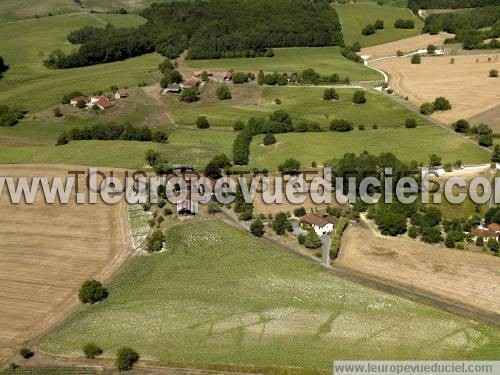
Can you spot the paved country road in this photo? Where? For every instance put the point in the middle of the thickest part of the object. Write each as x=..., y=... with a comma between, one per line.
x=385, y=286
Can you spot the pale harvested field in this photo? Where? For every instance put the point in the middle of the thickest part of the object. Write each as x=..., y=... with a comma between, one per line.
x=468, y=277
x=465, y=83
x=47, y=251
x=405, y=45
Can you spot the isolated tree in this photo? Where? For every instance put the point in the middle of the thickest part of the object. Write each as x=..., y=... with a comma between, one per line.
x=91, y=350
x=495, y=157
x=155, y=241
x=493, y=73
x=410, y=123
x=461, y=126
x=416, y=59
x=312, y=241
x=189, y=95
x=485, y=140
x=202, y=122
x=435, y=160
x=3, y=66
x=152, y=157
x=281, y=224
x=26, y=353
x=340, y=125
x=269, y=139
x=493, y=245
x=290, y=166
x=240, y=77
x=441, y=104
x=92, y=291
x=330, y=94
x=379, y=24
x=170, y=77
x=359, y=97
x=126, y=358
x=257, y=228
x=431, y=49
x=223, y=92
x=427, y=108
x=368, y=30
x=260, y=77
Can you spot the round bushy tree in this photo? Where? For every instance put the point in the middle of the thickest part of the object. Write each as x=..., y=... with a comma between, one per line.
x=91, y=350
x=299, y=212
x=340, y=125
x=238, y=125
x=202, y=122
x=312, y=241
x=416, y=59
x=427, y=108
x=269, y=139
x=257, y=228
x=411, y=123
x=379, y=24
x=461, y=126
x=223, y=92
x=441, y=104
x=493, y=73
x=368, y=30
x=155, y=241
x=359, y=97
x=92, y=291
x=26, y=353
x=125, y=359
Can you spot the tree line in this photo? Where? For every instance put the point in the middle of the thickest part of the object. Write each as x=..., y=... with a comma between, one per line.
x=415, y=5
x=209, y=30
x=471, y=27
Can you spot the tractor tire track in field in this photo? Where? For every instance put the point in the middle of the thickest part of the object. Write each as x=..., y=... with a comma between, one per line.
x=385, y=286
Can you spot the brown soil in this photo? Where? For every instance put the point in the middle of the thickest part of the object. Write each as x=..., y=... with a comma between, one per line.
x=465, y=83
x=47, y=251
x=471, y=278
x=490, y=117
x=405, y=45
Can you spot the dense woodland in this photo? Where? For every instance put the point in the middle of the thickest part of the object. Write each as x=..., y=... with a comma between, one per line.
x=415, y=5
x=470, y=27
x=209, y=29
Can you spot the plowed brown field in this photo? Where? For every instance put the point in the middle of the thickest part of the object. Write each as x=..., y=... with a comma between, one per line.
x=468, y=277
x=47, y=251
x=466, y=83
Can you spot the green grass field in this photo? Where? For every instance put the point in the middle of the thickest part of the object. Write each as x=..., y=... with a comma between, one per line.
x=15, y=10
x=325, y=60
x=26, y=44
x=407, y=144
x=220, y=296
x=185, y=146
x=356, y=16
x=300, y=102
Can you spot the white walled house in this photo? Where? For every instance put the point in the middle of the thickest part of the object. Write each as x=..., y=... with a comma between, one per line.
x=320, y=225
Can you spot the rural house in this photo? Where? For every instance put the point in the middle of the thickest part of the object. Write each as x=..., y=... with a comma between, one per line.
x=122, y=93
x=103, y=103
x=74, y=102
x=192, y=82
x=320, y=225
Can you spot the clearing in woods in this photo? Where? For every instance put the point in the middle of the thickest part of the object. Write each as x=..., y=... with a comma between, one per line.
x=355, y=16
x=437, y=76
x=406, y=45
x=467, y=277
x=325, y=60
x=220, y=296
x=47, y=251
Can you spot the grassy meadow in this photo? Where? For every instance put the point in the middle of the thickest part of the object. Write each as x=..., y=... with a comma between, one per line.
x=325, y=60
x=220, y=296
x=355, y=16
x=185, y=146
x=407, y=144
x=302, y=103
x=15, y=10
x=26, y=44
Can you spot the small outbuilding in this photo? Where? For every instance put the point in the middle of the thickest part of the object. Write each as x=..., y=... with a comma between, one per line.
x=172, y=89
x=120, y=94
x=103, y=103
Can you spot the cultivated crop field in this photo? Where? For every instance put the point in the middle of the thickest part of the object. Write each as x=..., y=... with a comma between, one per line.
x=218, y=296
x=26, y=44
x=47, y=251
x=355, y=16
x=407, y=144
x=406, y=45
x=325, y=60
x=468, y=277
x=14, y=10
x=302, y=103
x=465, y=83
